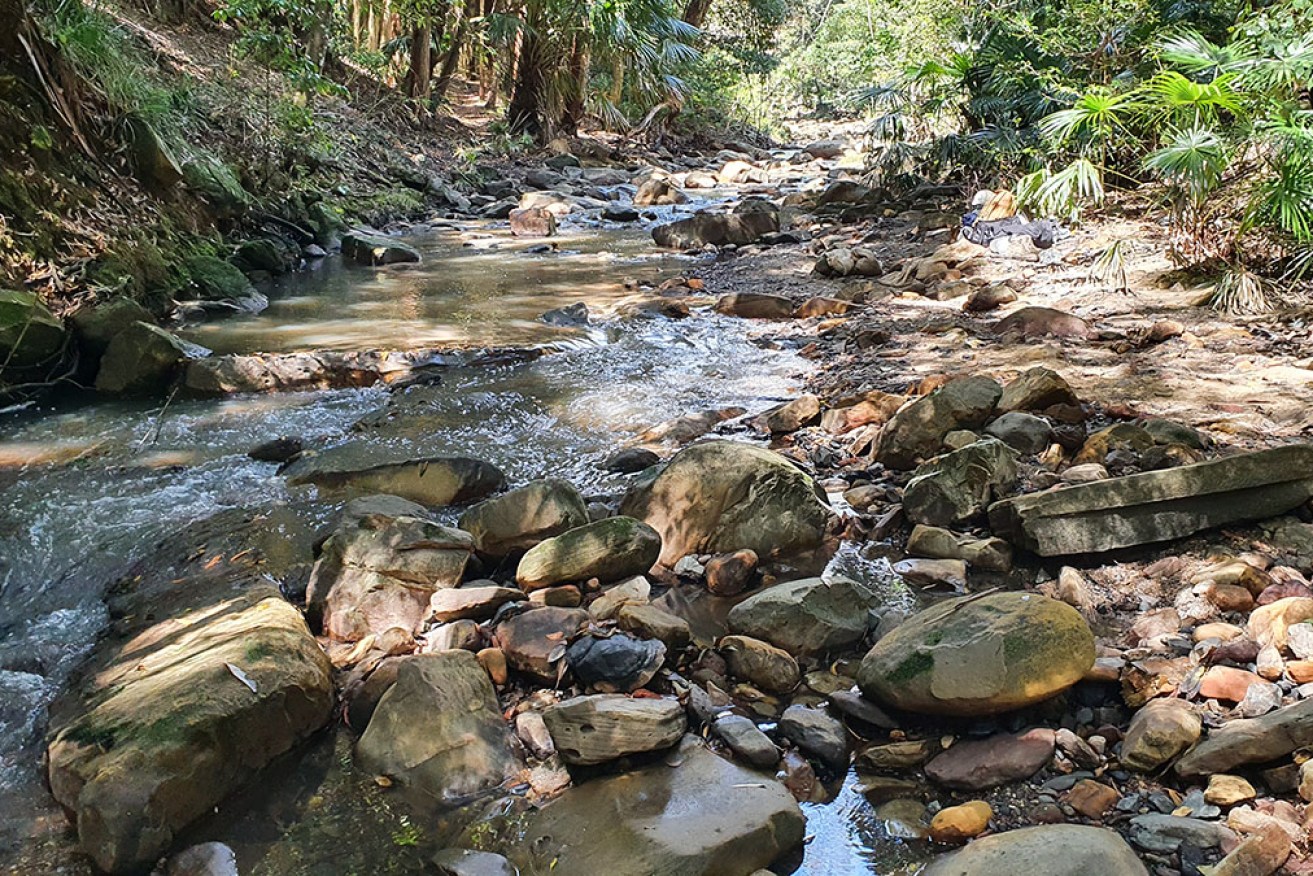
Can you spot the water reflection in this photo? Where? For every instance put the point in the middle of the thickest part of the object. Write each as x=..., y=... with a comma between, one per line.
x=457, y=296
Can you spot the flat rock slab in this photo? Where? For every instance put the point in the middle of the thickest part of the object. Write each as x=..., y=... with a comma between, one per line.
x=1047, y=850
x=704, y=817
x=216, y=678
x=356, y=469
x=1158, y=506
x=594, y=729
x=986, y=763
x=1251, y=740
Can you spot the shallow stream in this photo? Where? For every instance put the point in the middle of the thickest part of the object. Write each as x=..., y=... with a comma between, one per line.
x=87, y=486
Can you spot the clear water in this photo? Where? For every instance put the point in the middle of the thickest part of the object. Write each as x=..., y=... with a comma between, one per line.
x=86, y=489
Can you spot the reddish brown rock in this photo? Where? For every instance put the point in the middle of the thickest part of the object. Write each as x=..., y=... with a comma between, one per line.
x=1226, y=683
x=1092, y=799
x=986, y=763
x=532, y=222
x=534, y=641
x=730, y=574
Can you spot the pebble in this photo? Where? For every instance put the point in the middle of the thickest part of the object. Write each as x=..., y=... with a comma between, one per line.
x=1225, y=790
x=957, y=824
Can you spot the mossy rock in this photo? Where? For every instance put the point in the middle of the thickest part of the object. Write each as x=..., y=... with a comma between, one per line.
x=609, y=550
x=30, y=334
x=143, y=359
x=96, y=325
x=152, y=157
x=264, y=254
x=979, y=655
x=174, y=721
x=215, y=182
x=213, y=279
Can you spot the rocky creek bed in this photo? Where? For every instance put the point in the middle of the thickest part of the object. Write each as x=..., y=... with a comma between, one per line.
x=823, y=564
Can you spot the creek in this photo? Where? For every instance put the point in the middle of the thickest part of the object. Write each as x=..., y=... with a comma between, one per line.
x=88, y=486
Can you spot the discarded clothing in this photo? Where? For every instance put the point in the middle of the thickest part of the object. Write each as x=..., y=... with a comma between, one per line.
x=1043, y=231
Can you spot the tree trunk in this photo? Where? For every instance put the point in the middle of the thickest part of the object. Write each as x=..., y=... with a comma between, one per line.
x=14, y=14
x=695, y=12
x=451, y=59
x=572, y=114
x=421, y=62
x=524, y=114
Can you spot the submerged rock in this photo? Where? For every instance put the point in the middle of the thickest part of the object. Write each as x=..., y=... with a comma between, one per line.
x=704, y=817
x=979, y=655
x=601, y=727
x=805, y=617
x=1159, y=505
x=356, y=469
x=523, y=517
x=465, y=862
x=439, y=730
x=609, y=549
x=722, y=496
x=1051, y=850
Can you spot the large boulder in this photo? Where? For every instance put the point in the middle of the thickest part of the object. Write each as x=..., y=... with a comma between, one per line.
x=209, y=676
x=806, y=617
x=601, y=727
x=723, y=496
x=379, y=570
x=957, y=487
x=30, y=334
x=438, y=729
x=1158, y=505
x=704, y=817
x=609, y=550
x=917, y=431
x=715, y=229
x=143, y=359
x=979, y=655
x=361, y=469
x=1050, y=849
x=520, y=519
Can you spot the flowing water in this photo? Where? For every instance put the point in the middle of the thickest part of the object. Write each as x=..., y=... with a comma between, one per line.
x=88, y=486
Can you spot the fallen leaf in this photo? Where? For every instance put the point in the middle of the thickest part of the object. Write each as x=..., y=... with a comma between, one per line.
x=241, y=676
